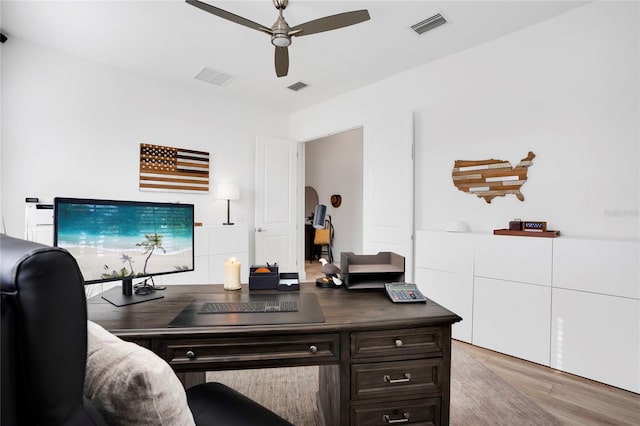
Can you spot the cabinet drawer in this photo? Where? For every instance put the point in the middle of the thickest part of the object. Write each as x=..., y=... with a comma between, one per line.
x=416, y=412
x=426, y=341
x=227, y=353
x=396, y=379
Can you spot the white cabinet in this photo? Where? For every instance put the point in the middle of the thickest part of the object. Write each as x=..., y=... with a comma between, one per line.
x=513, y=318
x=512, y=295
x=520, y=259
x=226, y=242
x=596, y=310
x=452, y=290
x=444, y=273
x=445, y=251
x=213, y=245
x=597, y=336
x=572, y=304
x=597, y=266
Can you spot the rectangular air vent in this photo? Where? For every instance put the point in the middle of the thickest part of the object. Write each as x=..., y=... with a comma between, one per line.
x=429, y=24
x=297, y=86
x=218, y=78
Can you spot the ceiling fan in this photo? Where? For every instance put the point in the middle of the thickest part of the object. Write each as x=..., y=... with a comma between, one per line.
x=281, y=32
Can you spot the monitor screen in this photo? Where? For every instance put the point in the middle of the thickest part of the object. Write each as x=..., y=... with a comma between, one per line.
x=122, y=240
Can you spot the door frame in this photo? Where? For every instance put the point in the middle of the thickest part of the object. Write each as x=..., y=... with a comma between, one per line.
x=300, y=258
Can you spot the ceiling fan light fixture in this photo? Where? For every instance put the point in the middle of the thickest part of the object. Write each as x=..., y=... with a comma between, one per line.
x=280, y=40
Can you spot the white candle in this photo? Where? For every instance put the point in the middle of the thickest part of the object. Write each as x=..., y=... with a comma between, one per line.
x=231, y=274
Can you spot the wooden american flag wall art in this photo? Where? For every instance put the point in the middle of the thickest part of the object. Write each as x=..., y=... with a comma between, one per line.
x=164, y=168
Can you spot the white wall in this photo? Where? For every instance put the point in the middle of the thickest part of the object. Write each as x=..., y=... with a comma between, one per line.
x=333, y=165
x=566, y=89
x=72, y=127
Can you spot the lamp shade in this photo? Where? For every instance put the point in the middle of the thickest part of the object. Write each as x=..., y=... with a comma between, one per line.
x=318, y=216
x=228, y=191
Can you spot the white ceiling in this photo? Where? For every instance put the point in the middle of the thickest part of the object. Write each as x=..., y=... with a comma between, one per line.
x=171, y=40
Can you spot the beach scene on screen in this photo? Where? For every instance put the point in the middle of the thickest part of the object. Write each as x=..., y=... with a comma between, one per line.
x=123, y=241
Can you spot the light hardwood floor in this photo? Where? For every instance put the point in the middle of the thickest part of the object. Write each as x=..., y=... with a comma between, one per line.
x=571, y=399
x=313, y=270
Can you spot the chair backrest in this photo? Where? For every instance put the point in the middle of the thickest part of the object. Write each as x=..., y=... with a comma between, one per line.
x=44, y=336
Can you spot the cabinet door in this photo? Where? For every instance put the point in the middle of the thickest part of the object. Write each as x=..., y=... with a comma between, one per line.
x=453, y=291
x=597, y=336
x=513, y=318
x=228, y=239
x=521, y=259
x=200, y=274
x=605, y=267
x=445, y=251
x=226, y=242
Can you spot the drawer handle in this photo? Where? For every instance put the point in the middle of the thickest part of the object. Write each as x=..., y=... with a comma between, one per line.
x=313, y=349
x=191, y=355
x=387, y=419
x=398, y=343
x=388, y=379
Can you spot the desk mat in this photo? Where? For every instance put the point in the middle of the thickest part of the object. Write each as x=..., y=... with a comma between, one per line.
x=309, y=311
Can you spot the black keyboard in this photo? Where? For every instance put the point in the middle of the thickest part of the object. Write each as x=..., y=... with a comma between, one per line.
x=249, y=307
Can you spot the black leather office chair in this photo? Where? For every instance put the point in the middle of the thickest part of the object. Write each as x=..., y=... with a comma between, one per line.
x=44, y=348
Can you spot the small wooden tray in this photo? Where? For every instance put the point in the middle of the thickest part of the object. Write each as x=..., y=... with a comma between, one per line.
x=544, y=234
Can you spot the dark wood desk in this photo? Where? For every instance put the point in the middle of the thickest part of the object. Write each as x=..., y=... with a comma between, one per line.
x=380, y=363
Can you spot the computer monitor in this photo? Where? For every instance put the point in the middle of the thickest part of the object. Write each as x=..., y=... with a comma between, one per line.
x=123, y=240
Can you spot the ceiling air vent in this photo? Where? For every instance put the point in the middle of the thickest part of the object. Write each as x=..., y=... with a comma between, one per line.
x=429, y=24
x=297, y=86
x=214, y=77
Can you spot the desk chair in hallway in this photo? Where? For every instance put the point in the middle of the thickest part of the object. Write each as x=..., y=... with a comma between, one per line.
x=323, y=240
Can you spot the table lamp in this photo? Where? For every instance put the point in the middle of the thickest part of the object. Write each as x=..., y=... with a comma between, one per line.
x=228, y=191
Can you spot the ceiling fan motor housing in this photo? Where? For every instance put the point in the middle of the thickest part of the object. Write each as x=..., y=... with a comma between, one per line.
x=280, y=4
x=280, y=32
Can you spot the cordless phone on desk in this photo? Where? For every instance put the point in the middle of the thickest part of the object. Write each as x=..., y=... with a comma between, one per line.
x=404, y=293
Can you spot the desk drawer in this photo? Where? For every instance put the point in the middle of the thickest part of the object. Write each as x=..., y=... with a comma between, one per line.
x=416, y=412
x=424, y=341
x=260, y=352
x=393, y=380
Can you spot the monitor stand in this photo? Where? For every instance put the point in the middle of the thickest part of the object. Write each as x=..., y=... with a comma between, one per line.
x=126, y=296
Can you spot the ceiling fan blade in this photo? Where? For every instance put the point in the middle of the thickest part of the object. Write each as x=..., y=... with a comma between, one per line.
x=282, y=61
x=332, y=22
x=228, y=16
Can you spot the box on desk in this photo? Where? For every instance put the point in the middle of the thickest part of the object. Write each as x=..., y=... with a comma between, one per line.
x=263, y=277
x=366, y=271
x=289, y=281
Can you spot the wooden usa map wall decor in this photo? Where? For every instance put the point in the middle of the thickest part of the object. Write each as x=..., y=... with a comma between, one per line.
x=491, y=178
x=164, y=168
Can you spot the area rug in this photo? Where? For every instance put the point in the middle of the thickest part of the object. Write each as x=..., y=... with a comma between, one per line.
x=289, y=392
x=478, y=396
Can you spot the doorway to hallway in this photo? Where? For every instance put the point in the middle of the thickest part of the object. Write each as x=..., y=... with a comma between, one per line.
x=334, y=166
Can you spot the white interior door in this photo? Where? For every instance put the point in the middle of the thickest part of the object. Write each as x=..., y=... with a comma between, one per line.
x=275, y=201
x=388, y=204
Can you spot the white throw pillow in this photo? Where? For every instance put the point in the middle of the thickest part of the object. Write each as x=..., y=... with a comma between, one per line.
x=131, y=385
